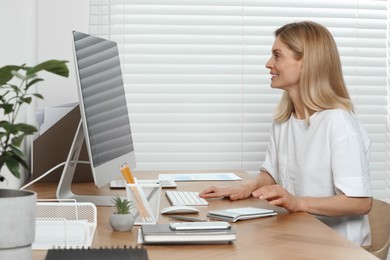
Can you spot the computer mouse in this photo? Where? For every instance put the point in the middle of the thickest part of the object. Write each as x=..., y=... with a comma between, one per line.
x=179, y=209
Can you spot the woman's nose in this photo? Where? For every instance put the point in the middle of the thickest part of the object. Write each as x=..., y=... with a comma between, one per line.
x=268, y=65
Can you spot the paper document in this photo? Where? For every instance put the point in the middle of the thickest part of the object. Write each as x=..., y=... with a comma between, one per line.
x=61, y=233
x=226, y=176
x=48, y=116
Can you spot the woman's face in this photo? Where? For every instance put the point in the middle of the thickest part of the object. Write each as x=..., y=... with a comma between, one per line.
x=285, y=70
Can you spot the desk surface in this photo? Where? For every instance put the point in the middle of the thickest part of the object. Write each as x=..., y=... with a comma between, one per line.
x=285, y=236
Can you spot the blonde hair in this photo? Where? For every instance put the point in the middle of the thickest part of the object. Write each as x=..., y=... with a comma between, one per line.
x=321, y=81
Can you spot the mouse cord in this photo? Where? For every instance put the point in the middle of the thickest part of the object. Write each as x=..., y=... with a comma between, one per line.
x=49, y=171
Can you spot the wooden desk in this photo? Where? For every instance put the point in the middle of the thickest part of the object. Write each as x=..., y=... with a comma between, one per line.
x=285, y=236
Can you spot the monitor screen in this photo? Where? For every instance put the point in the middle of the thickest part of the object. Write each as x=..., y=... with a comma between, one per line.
x=105, y=124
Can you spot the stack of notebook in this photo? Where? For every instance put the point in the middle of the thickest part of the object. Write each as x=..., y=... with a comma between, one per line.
x=164, y=234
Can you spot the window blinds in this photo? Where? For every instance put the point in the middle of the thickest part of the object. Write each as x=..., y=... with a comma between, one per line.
x=197, y=89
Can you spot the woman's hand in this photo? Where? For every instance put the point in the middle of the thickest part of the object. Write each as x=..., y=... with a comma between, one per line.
x=239, y=192
x=234, y=193
x=332, y=206
x=278, y=196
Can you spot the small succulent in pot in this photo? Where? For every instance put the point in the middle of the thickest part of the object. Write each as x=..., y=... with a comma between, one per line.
x=122, y=219
x=122, y=205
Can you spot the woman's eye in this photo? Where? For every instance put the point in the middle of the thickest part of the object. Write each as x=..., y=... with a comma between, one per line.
x=276, y=55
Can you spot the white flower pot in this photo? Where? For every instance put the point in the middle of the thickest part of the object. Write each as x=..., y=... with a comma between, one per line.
x=17, y=223
x=122, y=222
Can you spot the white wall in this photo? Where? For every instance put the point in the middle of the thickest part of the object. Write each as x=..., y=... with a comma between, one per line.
x=33, y=31
x=18, y=31
x=17, y=45
x=56, y=21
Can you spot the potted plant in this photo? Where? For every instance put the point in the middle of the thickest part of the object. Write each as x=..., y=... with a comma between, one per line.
x=17, y=207
x=12, y=97
x=122, y=219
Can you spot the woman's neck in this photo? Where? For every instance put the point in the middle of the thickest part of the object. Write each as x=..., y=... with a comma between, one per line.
x=299, y=111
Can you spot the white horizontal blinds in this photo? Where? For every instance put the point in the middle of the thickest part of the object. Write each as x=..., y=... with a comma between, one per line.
x=185, y=74
x=387, y=179
x=197, y=88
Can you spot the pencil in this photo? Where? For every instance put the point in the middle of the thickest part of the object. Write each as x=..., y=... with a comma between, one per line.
x=126, y=172
x=138, y=202
x=155, y=189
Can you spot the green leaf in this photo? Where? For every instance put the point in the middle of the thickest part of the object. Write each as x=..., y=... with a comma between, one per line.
x=26, y=129
x=15, y=88
x=13, y=166
x=18, y=155
x=32, y=82
x=4, y=124
x=5, y=73
x=8, y=108
x=122, y=206
x=17, y=152
x=26, y=100
x=10, y=128
x=30, y=76
x=17, y=140
x=38, y=95
x=57, y=67
x=16, y=128
x=2, y=97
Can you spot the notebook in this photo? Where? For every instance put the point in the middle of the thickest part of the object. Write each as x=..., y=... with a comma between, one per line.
x=127, y=253
x=235, y=214
x=163, y=234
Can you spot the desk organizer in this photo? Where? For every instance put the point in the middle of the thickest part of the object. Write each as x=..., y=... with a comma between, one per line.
x=146, y=196
x=64, y=224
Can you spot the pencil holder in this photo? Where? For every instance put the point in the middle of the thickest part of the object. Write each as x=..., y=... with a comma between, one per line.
x=146, y=195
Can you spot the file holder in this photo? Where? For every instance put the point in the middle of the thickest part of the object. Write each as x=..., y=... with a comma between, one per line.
x=64, y=224
x=146, y=195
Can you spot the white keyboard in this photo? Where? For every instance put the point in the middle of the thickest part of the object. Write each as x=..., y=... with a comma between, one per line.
x=185, y=198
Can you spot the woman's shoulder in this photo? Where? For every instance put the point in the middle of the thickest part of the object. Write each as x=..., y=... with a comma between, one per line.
x=339, y=121
x=336, y=116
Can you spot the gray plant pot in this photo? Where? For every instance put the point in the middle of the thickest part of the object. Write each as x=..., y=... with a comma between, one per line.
x=17, y=223
x=122, y=222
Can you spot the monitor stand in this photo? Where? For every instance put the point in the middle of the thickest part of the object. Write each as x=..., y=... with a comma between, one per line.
x=64, y=190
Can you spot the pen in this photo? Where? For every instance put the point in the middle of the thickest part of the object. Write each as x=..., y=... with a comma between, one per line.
x=185, y=218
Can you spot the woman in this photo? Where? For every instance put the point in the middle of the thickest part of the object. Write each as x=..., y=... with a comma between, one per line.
x=318, y=153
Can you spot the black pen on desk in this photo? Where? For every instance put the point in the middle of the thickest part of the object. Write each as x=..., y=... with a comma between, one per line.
x=185, y=218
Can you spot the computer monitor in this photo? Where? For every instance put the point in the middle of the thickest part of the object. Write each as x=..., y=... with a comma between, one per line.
x=104, y=124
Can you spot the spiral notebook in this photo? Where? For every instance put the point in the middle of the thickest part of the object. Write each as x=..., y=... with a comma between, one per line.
x=126, y=253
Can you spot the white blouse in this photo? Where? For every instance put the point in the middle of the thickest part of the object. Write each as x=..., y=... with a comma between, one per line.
x=329, y=157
